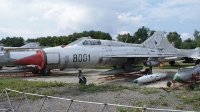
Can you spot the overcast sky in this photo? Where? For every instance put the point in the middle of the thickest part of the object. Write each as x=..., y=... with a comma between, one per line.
x=37, y=18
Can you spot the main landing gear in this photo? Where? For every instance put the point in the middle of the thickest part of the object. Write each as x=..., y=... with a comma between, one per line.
x=45, y=72
x=172, y=63
x=148, y=71
x=82, y=80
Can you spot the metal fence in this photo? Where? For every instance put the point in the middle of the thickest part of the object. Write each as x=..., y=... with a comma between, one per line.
x=21, y=101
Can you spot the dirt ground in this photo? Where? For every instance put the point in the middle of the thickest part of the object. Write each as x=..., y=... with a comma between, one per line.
x=93, y=77
x=124, y=97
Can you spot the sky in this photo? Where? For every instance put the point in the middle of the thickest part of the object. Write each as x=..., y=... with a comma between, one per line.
x=42, y=18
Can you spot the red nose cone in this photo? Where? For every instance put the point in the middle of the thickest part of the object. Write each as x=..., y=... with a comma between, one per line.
x=36, y=59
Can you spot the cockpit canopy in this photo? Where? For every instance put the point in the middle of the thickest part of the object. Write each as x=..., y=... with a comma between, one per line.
x=86, y=41
x=91, y=42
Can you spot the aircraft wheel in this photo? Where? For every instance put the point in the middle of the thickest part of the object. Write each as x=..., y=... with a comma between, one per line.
x=169, y=84
x=172, y=63
x=45, y=72
x=82, y=80
x=147, y=71
x=191, y=86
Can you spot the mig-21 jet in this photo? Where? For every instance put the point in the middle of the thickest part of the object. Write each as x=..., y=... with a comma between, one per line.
x=88, y=52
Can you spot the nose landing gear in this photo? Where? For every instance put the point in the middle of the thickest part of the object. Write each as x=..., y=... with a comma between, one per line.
x=82, y=80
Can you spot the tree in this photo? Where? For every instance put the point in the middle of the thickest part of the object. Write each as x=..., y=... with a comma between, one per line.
x=174, y=37
x=141, y=35
x=188, y=44
x=196, y=35
x=125, y=38
x=152, y=32
x=13, y=41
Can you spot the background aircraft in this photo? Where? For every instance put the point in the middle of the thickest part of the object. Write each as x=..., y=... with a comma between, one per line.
x=188, y=75
x=9, y=54
x=187, y=55
x=185, y=74
x=88, y=52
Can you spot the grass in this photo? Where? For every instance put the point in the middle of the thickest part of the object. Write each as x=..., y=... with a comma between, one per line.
x=138, y=103
x=147, y=91
x=38, y=87
x=124, y=109
x=91, y=88
x=191, y=98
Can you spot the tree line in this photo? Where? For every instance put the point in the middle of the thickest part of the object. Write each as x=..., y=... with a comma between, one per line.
x=143, y=33
x=55, y=40
x=138, y=37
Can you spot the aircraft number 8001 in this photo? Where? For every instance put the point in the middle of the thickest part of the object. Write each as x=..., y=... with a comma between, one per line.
x=81, y=57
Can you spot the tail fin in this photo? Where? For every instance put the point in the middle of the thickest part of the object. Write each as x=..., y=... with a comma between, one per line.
x=157, y=40
x=167, y=47
x=154, y=40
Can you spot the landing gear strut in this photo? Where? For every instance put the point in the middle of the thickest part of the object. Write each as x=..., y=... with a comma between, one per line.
x=148, y=70
x=82, y=80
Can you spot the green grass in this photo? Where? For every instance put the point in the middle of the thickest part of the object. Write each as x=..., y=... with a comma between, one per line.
x=138, y=103
x=30, y=86
x=190, y=98
x=94, y=88
x=147, y=91
x=124, y=109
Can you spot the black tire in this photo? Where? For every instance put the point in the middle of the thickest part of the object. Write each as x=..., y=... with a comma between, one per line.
x=45, y=72
x=82, y=80
x=147, y=71
x=169, y=84
x=172, y=63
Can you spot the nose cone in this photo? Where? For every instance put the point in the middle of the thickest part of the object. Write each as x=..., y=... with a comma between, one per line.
x=36, y=59
x=178, y=78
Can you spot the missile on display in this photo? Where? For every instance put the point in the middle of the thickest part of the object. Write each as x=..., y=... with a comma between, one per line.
x=149, y=78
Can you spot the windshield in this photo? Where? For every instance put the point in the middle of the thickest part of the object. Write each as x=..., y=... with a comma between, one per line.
x=85, y=41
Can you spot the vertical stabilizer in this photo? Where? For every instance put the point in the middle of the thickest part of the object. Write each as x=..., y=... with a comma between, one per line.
x=154, y=40
x=167, y=46
x=157, y=40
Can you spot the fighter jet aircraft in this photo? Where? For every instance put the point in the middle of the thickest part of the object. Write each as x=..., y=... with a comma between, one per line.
x=88, y=52
x=187, y=55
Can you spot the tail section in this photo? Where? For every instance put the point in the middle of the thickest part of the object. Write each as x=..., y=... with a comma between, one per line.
x=168, y=47
x=157, y=40
x=154, y=40
x=31, y=45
